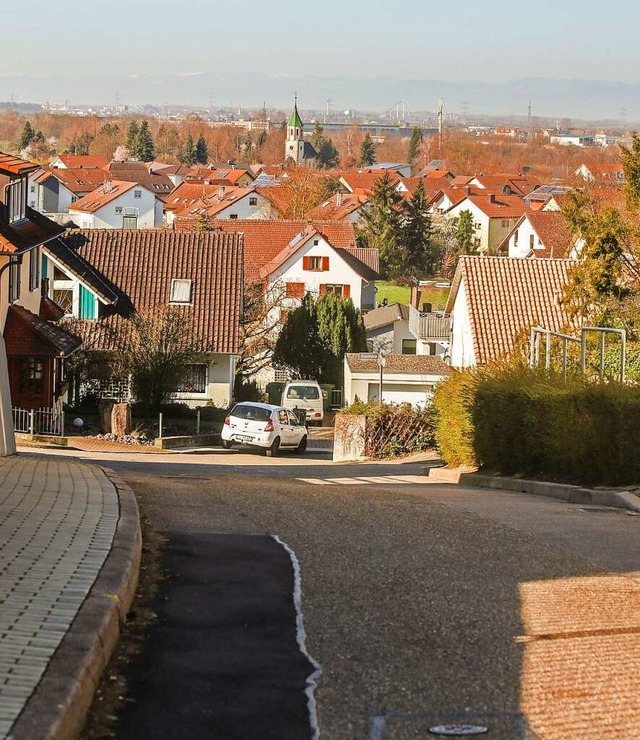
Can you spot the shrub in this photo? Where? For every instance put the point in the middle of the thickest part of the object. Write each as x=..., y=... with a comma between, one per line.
x=521, y=420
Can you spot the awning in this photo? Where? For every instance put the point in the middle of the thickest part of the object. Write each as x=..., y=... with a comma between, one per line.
x=26, y=334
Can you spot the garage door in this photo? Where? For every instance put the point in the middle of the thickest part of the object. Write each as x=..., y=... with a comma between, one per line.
x=401, y=393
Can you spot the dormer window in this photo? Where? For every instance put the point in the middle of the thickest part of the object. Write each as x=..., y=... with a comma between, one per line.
x=16, y=194
x=181, y=291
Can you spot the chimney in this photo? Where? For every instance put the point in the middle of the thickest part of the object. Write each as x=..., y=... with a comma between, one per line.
x=221, y=191
x=492, y=198
x=467, y=189
x=338, y=199
x=108, y=185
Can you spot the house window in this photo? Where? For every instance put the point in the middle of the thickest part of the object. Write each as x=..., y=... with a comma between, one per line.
x=118, y=210
x=294, y=290
x=253, y=201
x=515, y=238
x=195, y=380
x=531, y=241
x=181, y=291
x=409, y=346
x=315, y=264
x=34, y=268
x=137, y=193
x=14, y=281
x=477, y=226
x=129, y=222
x=31, y=376
x=342, y=290
x=16, y=200
x=233, y=216
x=64, y=298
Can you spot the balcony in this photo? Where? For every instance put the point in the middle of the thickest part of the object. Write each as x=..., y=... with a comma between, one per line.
x=429, y=327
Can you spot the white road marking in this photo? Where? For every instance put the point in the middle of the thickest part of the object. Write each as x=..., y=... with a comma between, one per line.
x=312, y=680
x=392, y=480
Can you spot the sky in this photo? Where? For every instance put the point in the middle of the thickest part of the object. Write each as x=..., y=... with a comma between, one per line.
x=74, y=49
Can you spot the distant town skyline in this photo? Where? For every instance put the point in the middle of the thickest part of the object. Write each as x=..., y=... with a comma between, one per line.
x=223, y=53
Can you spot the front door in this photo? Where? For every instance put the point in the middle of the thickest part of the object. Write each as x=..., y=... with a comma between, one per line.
x=31, y=382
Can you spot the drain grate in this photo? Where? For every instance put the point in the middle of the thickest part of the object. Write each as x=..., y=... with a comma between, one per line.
x=400, y=725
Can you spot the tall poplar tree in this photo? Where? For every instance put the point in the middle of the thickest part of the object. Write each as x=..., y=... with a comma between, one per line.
x=367, y=152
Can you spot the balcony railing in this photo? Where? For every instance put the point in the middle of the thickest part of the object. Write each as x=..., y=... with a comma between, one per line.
x=429, y=327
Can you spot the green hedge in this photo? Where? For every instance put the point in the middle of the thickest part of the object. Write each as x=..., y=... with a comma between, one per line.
x=523, y=421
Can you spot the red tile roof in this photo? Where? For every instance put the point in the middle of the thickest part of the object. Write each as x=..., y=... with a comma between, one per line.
x=141, y=263
x=190, y=199
x=156, y=182
x=30, y=232
x=15, y=165
x=553, y=229
x=229, y=175
x=103, y=195
x=365, y=181
x=339, y=207
x=77, y=180
x=84, y=161
x=499, y=206
x=28, y=334
x=265, y=240
x=507, y=296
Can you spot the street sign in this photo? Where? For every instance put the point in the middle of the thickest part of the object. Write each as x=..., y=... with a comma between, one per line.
x=368, y=355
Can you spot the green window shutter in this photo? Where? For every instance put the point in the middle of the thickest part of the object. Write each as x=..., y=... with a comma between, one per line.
x=45, y=265
x=87, y=304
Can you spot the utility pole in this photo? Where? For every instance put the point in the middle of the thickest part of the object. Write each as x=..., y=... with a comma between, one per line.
x=440, y=124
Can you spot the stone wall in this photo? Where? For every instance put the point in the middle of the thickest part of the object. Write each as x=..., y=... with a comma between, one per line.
x=349, y=440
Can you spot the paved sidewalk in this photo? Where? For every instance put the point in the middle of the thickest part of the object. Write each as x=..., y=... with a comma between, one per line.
x=58, y=520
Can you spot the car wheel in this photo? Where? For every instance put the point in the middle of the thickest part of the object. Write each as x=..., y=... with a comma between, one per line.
x=226, y=444
x=302, y=445
x=273, y=450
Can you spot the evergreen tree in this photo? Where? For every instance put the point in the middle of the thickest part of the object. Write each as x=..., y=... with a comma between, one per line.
x=144, y=149
x=630, y=159
x=27, y=135
x=416, y=242
x=381, y=225
x=328, y=156
x=367, y=152
x=414, y=144
x=188, y=153
x=132, y=136
x=202, y=152
x=465, y=233
x=316, y=336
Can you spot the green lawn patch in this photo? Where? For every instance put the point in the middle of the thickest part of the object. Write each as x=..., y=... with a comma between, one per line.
x=402, y=294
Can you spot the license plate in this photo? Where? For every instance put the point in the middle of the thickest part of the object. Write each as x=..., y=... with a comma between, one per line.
x=243, y=438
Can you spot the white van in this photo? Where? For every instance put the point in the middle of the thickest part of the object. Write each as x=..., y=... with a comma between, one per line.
x=304, y=394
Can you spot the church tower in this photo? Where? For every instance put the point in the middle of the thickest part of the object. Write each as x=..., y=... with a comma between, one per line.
x=294, y=145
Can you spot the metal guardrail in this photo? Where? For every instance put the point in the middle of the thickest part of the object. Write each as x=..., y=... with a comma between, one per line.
x=38, y=421
x=429, y=326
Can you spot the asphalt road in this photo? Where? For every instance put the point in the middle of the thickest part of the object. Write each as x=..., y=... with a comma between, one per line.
x=419, y=600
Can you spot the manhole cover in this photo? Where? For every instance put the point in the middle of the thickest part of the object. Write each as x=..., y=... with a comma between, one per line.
x=458, y=730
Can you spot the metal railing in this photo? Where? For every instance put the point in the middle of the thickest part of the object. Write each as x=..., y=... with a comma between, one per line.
x=39, y=421
x=537, y=332
x=336, y=398
x=429, y=326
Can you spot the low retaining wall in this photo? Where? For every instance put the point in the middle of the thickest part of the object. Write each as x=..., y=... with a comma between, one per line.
x=349, y=437
x=37, y=440
x=199, y=440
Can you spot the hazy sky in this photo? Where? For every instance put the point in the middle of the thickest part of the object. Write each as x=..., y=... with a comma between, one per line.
x=490, y=41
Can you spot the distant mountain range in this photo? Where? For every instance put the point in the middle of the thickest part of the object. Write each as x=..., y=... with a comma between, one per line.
x=550, y=98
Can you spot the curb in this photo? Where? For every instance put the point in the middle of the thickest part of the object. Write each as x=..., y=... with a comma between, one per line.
x=58, y=707
x=564, y=491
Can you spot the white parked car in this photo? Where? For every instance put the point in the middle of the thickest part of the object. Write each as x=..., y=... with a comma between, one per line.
x=263, y=425
x=307, y=395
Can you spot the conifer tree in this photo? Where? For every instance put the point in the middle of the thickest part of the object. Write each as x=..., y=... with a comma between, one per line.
x=27, y=135
x=416, y=242
x=132, y=136
x=144, y=149
x=414, y=144
x=202, y=152
x=188, y=153
x=465, y=233
x=367, y=152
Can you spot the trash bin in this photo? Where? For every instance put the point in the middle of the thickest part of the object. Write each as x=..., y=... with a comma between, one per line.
x=274, y=392
x=326, y=395
x=301, y=416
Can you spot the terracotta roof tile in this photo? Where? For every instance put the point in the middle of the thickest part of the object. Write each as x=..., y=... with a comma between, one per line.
x=15, y=165
x=138, y=172
x=506, y=296
x=339, y=207
x=106, y=193
x=365, y=181
x=77, y=180
x=141, y=264
x=85, y=161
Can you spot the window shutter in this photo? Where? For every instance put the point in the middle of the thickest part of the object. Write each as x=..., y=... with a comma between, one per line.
x=325, y=264
x=346, y=291
x=306, y=263
x=323, y=289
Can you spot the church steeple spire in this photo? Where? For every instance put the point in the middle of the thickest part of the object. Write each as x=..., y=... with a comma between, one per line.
x=294, y=145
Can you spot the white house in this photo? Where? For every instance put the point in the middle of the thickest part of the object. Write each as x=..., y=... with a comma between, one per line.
x=118, y=204
x=190, y=200
x=540, y=234
x=54, y=190
x=494, y=301
x=405, y=378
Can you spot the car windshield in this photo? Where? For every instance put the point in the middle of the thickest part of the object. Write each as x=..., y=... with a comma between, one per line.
x=250, y=412
x=308, y=392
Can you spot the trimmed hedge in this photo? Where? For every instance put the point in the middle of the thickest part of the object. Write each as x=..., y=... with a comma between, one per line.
x=521, y=421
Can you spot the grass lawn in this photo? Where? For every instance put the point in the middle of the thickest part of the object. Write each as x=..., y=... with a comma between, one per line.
x=402, y=294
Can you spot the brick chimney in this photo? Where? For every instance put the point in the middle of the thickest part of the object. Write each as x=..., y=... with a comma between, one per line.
x=492, y=197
